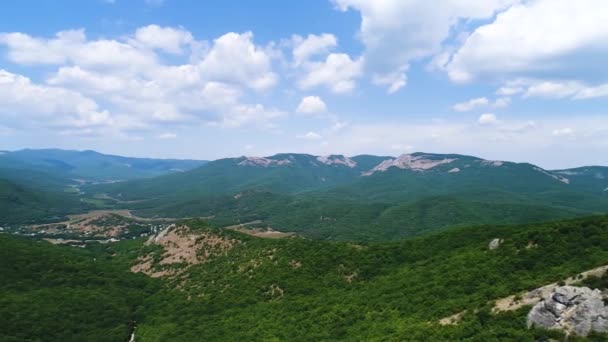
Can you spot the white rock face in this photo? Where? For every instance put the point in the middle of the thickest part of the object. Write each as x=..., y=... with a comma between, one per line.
x=264, y=162
x=492, y=163
x=556, y=177
x=337, y=160
x=410, y=162
x=569, y=173
x=495, y=244
x=576, y=310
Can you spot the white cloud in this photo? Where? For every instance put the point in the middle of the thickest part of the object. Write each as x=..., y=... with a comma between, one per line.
x=50, y=105
x=313, y=45
x=395, y=32
x=250, y=114
x=234, y=58
x=168, y=39
x=481, y=102
x=487, y=119
x=556, y=89
x=509, y=91
x=592, y=92
x=73, y=47
x=139, y=89
x=471, y=104
x=542, y=39
x=553, y=89
x=338, y=73
x=311, y=104
x=310, y=136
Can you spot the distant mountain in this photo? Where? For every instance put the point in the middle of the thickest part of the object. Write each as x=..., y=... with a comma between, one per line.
x=91, y=165
x=363, y=197
x=22, y=204
x=590, y=178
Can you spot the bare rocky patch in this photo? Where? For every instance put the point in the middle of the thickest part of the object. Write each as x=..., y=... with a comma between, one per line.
x=182, y=249
x=517, y=301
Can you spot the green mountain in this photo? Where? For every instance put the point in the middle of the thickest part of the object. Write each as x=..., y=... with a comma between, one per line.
x=591, y=178
x=24, y=204
x=363, y=197
x=91, y=165
x=222, y=285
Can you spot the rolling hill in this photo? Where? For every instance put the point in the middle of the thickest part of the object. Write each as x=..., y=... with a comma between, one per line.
x=363, y=197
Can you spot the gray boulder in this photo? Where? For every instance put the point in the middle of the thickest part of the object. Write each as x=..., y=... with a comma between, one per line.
x=576, y=310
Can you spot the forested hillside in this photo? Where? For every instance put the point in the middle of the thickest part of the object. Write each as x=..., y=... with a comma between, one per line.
x=365, y=197
x=231, y=286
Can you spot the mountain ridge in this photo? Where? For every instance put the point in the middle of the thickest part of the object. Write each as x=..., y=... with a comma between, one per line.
x=337, y=197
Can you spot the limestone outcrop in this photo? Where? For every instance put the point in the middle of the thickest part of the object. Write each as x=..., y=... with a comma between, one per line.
x=576, y=310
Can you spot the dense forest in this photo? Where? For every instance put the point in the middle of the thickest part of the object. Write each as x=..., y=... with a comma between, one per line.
x=295, y=288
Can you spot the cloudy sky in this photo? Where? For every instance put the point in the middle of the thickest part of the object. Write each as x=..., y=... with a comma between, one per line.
x=500, y=79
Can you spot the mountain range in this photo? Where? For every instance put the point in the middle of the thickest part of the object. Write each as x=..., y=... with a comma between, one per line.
x=366, y=197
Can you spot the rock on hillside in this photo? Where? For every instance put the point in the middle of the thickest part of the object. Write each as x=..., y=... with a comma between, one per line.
x=576, y=310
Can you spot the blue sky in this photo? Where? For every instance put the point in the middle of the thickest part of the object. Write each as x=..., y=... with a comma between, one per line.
x=500, y=79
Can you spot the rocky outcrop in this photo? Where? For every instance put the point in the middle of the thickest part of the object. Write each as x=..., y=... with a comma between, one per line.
x=576, y=310
x=495, y=243
x=337, y=160
x=263, y=162
x=418, y=163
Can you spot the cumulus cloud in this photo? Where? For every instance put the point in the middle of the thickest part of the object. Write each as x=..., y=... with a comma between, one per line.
x=312, y=45
x=542, y=39
x=234, y=58
x=396, y=33
x=311, y=104
x=168, y=39
x=73, y=47
x=126, y=84
x=55, y=106
x=338, y=73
